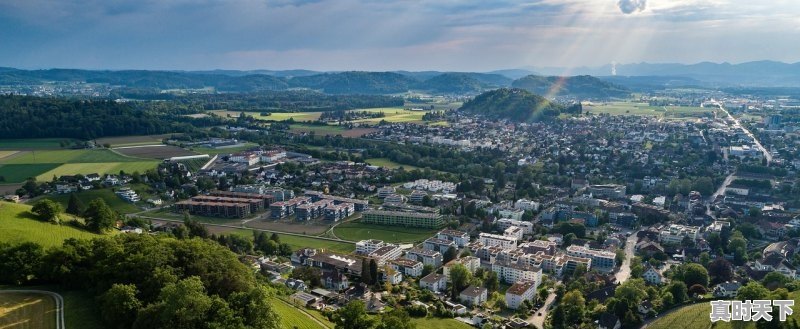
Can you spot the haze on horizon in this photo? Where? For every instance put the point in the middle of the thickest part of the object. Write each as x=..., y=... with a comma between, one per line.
x=391, y=35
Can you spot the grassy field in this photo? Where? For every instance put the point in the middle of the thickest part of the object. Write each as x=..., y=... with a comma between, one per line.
x=644, y=109
x=18, y=224
x=393, y=115
x=107, y=195
x=274, y=116
x=133, y=140
x=356, y=231
x=34, y=144
x=97, y=168
x=330, y=130
x=292, y=317
x=154, y=151
x=297, y=242
x=386, y=163
x=437, y=323
x=4, y=154
x=70, y=156
x=18, y=173
x=27, y=310
x=696, y=316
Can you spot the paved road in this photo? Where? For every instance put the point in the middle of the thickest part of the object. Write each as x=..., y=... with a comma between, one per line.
x=737, y=124
x=538, y=320
x=719, y=191
x=625, y=269
x=59, y=303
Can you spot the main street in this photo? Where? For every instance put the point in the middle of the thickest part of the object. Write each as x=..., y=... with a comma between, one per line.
x=737, y=124
x=625, y=269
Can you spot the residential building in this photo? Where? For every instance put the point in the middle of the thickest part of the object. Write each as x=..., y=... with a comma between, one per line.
x=652, y=276
x=471, y=263
x=386, y=253
x=427, y=257
x=490, y=240
x=519, y=292
x=510, y=272
x=407, y=266
x=461, y=239
x=434, y=282
x=402, y=219
x=504, y=223
x=674, y=234
x=602, y=260
x=439, y=245
x=473, y=296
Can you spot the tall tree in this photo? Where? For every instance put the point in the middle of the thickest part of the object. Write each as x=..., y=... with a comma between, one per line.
x=450, y=254
x=366, y=275
x=75, y=206
x=119, y=306
x=459, y=278
x=47, y=210
x=373, y=271
x=353, y=316
x=99, y=216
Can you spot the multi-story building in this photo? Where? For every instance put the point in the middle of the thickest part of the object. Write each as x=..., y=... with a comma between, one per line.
x=385, y=191
x=519, y=292
x=407, y=266
x=613, y=191
x=461, y=239
x=246, y=158
x=504, y=223
x=438, y=245
x=214, y=209
x=385, y=254
x=427, y=257
x=674, y=234
x=514, y=232
x=434, y=282
x=602, y=260
x=532, y=247
x=365, y=247
x=510, y=272
x=473, y=296
x=490, y=240
x=471, y=263
x=403, y=219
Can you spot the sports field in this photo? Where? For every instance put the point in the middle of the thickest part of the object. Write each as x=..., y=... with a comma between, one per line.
x=356, y=231
x=44, y=164
x=18, y=224
x=27, y=310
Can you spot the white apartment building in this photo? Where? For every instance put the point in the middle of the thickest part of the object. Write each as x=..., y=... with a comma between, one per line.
x=519, y=292
x=504, y=223
x=491, y=240
x=460, y=238
x=509, y=272
x=601, y=259
x=674, y=233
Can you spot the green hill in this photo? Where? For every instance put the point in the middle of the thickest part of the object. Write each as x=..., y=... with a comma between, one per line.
x=582, y=86
x=513, y=104
x=18, y=224
x=452, y=83
x=355, y=82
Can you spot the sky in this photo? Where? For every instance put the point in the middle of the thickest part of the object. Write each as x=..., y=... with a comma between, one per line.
x=382, y=35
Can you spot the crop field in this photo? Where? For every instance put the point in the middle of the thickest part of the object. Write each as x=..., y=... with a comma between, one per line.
x=18, y=224
x=393, y=115
x=68, y=156
x=101, y=168
x=292, y=317
x=35, y=144
x=274, y=116
x=154, y=151
x=386, y=163
x=18, y=173
x=356, y=231
x=331, y=130
x=27, y=310
x=644, y=109
x=133, y=140
x=107, y=195
x=4, y=154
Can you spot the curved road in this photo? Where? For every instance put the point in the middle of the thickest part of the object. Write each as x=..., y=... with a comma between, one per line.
x=59, y=303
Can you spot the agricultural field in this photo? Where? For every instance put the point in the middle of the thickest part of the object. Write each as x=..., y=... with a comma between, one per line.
x=292, y=317
x=356, y=231
x=27, y=310
x=133, y=140
x=18, y=173
x=35, y=144
x=644, y=109
x=330, y=130
x=113, y=201
x=274, y=116
x=393, y=115
x=18, y=224
x=154, y=151
x=389, y=164
x=4, y=154
x=45, y=164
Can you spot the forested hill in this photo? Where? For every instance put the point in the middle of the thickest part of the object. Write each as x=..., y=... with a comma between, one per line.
x=582, y=86
x=513, y=104
x=34, y=117
x=355, y=82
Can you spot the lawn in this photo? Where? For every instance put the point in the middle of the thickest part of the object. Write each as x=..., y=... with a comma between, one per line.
x=18, y=224
x=298, y=242
x=97, y=168
x=357, y=231
x=113, y=201
x=38, y=144
x=439, y=323
x=18, y=173
x=389, y=164
x=292, y=317
x=27, y=310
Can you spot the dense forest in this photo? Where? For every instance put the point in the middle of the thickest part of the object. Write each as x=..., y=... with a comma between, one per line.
x=513, y=104
x=288, y=101
x=34, y=117
x=144, y=281
x=582, y=86
x=453, y=83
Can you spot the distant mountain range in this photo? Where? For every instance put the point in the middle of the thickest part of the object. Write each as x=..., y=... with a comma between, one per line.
x=582, y=86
